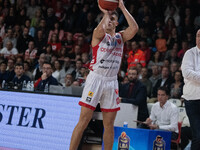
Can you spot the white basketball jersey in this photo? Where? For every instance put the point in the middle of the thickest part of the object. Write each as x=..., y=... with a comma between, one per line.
x=107, y=55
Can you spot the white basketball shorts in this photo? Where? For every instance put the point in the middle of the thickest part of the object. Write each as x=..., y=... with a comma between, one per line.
x=100, y=89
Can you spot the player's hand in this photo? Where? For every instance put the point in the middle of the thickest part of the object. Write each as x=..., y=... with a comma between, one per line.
x=103, y=10
x=121, y=4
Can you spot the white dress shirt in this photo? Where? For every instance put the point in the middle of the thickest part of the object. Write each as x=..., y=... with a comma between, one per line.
x=191, y=72
x=165, y=117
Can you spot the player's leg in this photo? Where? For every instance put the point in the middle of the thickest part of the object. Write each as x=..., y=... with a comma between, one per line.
x=85, y=117
x=108, y=123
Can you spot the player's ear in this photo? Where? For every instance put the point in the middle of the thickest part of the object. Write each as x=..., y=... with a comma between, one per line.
x=117, y=23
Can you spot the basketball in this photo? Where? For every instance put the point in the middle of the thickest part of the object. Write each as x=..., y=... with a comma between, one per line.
x=109, y=4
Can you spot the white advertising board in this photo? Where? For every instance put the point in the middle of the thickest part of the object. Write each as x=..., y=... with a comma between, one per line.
x=33, y=121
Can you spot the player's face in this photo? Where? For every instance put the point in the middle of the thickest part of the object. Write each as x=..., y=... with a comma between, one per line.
x=112, y=23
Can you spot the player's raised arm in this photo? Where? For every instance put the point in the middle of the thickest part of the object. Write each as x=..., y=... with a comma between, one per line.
x=132, y=28
x=100, y=30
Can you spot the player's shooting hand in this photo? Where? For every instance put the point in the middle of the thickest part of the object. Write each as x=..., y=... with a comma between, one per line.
x=121, y=4
x=103, y=10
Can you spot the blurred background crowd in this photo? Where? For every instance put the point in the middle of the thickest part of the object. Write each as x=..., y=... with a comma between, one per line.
x=50, y=40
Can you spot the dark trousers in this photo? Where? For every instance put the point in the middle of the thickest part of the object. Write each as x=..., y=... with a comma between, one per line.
x=186, y=135
x=193, y=113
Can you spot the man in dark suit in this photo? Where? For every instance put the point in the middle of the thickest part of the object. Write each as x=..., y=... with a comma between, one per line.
x=165, y=81
x=135, y=93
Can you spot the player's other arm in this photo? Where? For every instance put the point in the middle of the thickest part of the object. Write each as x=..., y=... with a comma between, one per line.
x=100, y=30
x=132, y=28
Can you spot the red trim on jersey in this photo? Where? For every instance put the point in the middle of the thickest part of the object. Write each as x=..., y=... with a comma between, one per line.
x=110, y=110
x=121, y=36
x=94, y=54
x=99, y=41
x=86, y=105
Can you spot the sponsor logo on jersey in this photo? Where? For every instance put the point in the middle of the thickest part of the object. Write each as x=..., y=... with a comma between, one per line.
x=101, y=61
x=117, y=36
x=90, y=94
x=89, y=97
x=119, y=41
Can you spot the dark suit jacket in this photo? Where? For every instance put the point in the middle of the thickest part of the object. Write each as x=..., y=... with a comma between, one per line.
x=138, y=97
x=167, y=84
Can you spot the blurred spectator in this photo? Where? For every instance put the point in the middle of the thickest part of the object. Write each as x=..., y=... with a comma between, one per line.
x=21, y=17
x=2, y=27
x=72, y=18
x=62, y=53
x=85, y=59
x=40, y=42
x=185, y=47
x=146, y=81
x=68, y=80
x=60, y=12
x=88, y=26
x=9, y=37
x=67, y=69
x=55, y=43
x=155, y=75
x=31, y=52
x=145, y=48
x=27, y=69
x=17, y=31
x=56, y=69
x=3, y=72
x=19, y=75
x=173, y=37
x=23, y=40
x=43, y=27
x=68, y=41
x=48, y=51
x=46, y=77
x=173, y=13
x=136, y=56
x=50, y=19
x=156, y=60
x=165, y=81
x=36, y=19
x=10, y=19
x=10, y=69
x=32, y=30
x=9, y=50
x=169, y=25
x=161, y=43
x=77, y=72
x=174, y=66
x=84, y=46
x=177, y=86
x=38, y=69
x=135, y=93
x=32, y=8
x=56, y=30
x=76, y=83
x=171, y=54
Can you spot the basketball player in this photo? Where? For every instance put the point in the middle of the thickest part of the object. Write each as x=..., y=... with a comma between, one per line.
x=101, y=83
